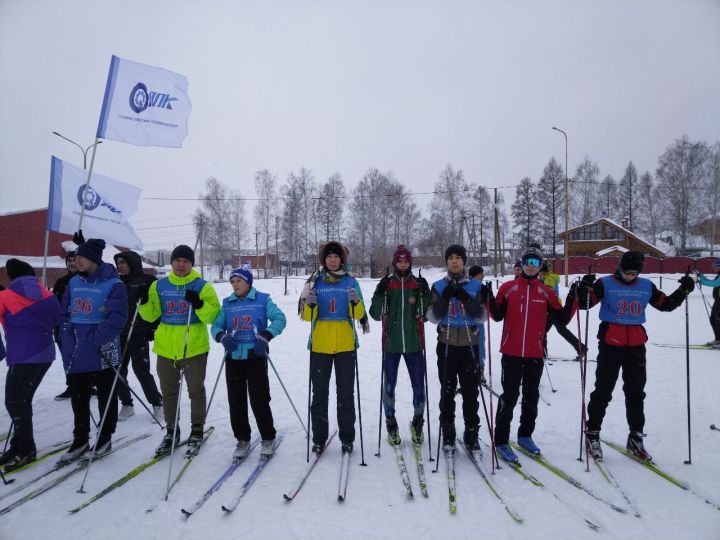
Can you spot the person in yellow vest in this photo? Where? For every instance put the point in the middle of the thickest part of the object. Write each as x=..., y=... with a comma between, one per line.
x=552, y=280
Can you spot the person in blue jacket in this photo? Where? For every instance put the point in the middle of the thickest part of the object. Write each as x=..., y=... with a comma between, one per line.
x=715, y=311
x=242, y=329
x=95, y=310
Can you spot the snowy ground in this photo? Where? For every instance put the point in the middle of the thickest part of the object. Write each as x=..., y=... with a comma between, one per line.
x=376, y=506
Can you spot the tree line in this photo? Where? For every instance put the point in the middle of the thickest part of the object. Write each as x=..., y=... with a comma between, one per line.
x=292, y=218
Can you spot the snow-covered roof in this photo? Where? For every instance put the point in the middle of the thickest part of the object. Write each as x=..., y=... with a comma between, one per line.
x=611, y=249
x=10, y=212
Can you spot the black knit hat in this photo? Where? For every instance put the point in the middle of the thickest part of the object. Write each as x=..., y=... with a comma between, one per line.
x=69, y=254
x=16, y=268
x=475, y=270
x=632, y=261
x=517, y=264
x=456, y=249
x=183, y=252
x=92, y=250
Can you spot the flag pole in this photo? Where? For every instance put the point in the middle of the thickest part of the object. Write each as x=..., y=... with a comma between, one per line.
x=87, y=183
x=47, y=241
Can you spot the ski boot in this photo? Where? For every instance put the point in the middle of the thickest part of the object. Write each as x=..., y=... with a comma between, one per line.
x=416, y=429
x=241, y=450
x=592, y=441
x=449, y=437
x=347, y=448
x=104, y=446
x=470, y=438
x=267, y=448
x=393, y=432
x=528, y=444
x=77, y=450
x=317, y=448
x=635, y=446
x=196, y=440
x=18, y=461
x=506, y=453
x=167, y=442
x=126, y=411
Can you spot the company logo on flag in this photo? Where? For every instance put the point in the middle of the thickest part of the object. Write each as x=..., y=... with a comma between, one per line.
x=144, y=105
x=109, y=204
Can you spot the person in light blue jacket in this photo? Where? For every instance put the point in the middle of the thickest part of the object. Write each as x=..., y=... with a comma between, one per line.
x=715, y=312
x=243, y=330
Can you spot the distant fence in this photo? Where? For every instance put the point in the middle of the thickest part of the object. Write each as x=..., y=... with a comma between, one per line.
x=653, y=265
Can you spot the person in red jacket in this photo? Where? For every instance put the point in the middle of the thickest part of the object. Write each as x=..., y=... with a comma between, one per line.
x=623, y=297
x=524, y=305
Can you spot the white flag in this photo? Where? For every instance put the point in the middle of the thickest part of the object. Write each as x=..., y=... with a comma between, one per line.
x=109, y=204
x=144, y=105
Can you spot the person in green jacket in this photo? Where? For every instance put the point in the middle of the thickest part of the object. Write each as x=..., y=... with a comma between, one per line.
x=172, y=299
x=399, y=301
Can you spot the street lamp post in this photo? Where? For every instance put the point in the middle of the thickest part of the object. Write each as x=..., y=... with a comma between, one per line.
x=567, y=234
x=83, y=150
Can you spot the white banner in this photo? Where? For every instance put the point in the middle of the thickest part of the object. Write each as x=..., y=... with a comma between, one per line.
x=144, y=105
x=109, y=204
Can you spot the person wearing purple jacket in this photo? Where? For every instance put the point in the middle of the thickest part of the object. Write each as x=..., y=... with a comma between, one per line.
x=95, y=310
x=28, y=312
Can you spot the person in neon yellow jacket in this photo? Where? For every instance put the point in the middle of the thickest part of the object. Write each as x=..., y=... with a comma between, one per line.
x=171, y=300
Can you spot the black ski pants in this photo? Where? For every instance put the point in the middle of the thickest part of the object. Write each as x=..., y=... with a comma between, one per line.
x=715, y=319
x=249, y=378
x=321, y=366
x=80, y=385
x=517, y=371
x=610, y=361
x=458, y=365
x=138, y=351
x=20, y=385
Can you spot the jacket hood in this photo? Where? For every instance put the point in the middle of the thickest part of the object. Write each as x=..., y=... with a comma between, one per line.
x=133, y=260
x=27, y=286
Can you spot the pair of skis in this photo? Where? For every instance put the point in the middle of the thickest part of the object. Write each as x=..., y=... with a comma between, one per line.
x=314, y=458
x=402, y=466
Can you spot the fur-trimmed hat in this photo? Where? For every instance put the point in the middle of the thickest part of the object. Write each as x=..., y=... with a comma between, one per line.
x=333, y=248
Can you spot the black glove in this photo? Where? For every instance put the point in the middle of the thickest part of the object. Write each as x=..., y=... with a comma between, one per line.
x=449, y=290
x=383, y=285
x=424, y=288
x=194, y=298
x=461, y=294
x=142, y=294
x=78, y=238
x=486, y=293
x=687, y=284
x=587, y=281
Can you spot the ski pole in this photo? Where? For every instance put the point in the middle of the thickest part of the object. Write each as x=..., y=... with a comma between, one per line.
x=177, y=407
x=494, y=461
x=312, y=325
x=382, y=363
x=421, y=335
x=122, y=380
x=442, y=393
x=286, y=393
x=5, y=481
x=217, y=380
x=687, y=370
x=357, y=381
x=547, y=372
x=9, y=434
x=111, y=401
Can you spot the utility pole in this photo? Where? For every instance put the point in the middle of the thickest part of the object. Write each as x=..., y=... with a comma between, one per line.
x=496, y=234
x=202, y=253
x=257, y=254
x=462, y=229
x=277, y=245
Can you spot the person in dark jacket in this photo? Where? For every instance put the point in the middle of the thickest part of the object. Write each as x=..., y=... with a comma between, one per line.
x=28, y=312
x=137, y=283
x=456, y=307
x=714, y=283
x=399, y=301
x=95, y=306
x=58, y=290
x=623, y=297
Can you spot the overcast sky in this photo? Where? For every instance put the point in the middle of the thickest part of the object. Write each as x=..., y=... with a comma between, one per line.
x=344, y=86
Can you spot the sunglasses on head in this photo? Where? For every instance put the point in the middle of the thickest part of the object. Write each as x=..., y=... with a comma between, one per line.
x=531, y=261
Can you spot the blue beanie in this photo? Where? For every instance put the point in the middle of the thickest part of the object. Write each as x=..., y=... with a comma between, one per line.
x=242, y=273
x=92, y=250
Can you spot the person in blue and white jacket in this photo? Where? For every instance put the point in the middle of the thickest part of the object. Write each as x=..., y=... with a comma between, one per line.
x=95, y=310
x=714, y=283
x=242, y=329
